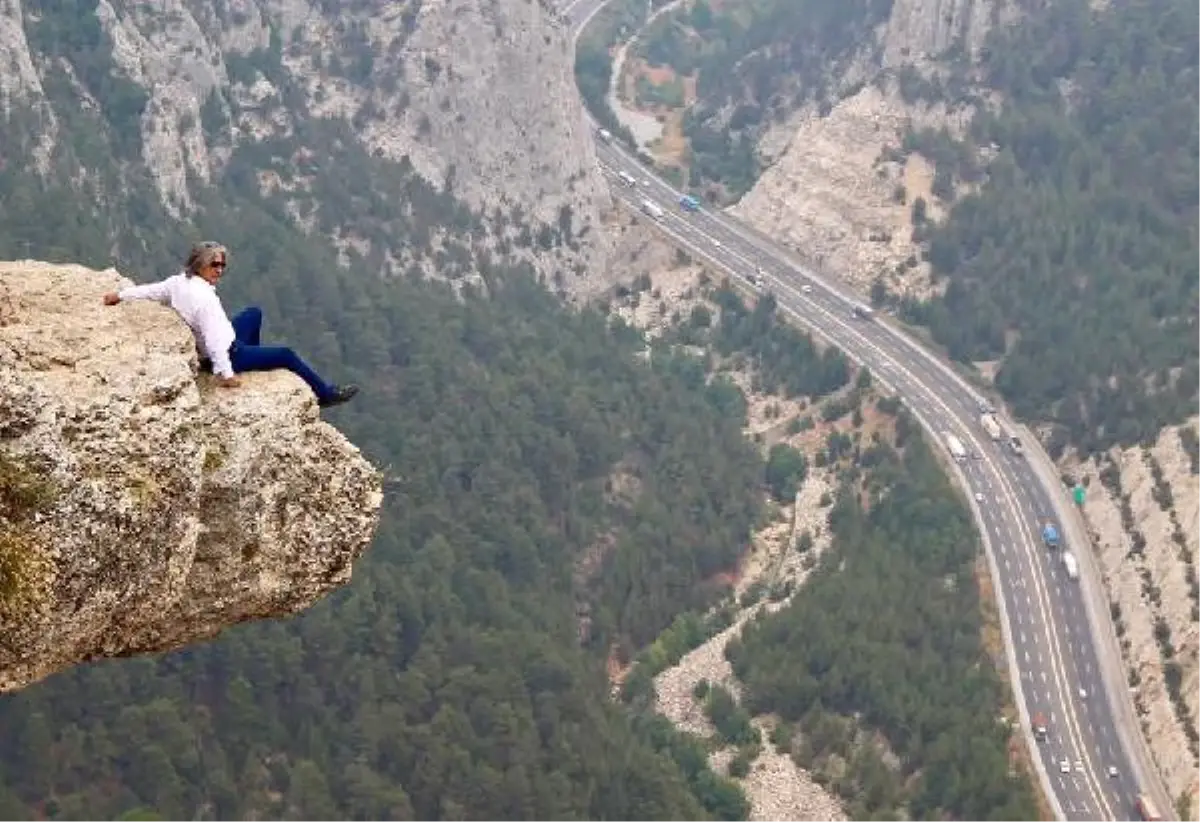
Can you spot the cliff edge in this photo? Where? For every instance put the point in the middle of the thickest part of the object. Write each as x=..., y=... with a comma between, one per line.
x=143, y=508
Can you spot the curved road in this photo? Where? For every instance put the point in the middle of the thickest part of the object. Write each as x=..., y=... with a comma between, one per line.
x=1050, y=622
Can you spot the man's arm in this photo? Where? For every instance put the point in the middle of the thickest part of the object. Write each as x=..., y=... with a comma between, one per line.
x=222, y=367
x=215, y=331
x=159, y=292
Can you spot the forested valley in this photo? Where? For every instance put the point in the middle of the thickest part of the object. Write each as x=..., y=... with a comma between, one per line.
x=876, y=667
x=463, y=673
x=752, y=63
x=449, y=680
x=875, y=676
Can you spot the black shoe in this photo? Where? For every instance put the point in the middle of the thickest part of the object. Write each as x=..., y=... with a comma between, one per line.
x=341, y=394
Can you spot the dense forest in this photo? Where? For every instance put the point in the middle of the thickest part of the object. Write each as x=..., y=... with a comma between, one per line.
x=877, y=667
x=1077, y=259
x=462, y=674
x=879, y=655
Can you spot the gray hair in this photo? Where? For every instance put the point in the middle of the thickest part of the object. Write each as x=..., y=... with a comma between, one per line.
x=202, y=255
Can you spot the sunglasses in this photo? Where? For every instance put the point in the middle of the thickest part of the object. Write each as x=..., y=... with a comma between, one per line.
x=218, y=264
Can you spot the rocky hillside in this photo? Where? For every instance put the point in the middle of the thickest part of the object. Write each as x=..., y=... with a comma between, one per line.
x=141, y=508
x=834, y=183
x=323, y=110
x=1142, y=507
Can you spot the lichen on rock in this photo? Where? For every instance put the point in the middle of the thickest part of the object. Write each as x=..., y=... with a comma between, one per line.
x=142, y=508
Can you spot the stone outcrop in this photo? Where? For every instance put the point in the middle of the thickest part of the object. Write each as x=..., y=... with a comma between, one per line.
x=142, y=507
x=834, y=198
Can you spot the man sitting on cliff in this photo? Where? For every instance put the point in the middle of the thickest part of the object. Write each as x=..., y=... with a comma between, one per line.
x=226, y=348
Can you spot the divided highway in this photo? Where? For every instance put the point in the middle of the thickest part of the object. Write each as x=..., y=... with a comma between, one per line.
x=1093, y=763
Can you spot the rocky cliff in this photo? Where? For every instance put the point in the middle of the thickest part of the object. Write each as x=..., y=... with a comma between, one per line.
x=831, y=190
x=313, y=102
x=143, y=508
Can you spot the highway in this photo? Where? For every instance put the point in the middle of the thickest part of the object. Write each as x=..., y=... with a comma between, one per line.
x=1094, y=762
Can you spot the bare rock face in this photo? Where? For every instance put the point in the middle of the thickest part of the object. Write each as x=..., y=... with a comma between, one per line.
x=477, y=97
x=830, y=191
x=143, y=508
x=834, y=198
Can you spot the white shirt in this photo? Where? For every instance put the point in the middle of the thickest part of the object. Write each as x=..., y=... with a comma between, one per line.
x=194, y=299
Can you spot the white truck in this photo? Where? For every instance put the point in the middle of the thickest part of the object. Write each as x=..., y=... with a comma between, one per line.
x=1071, y=565
x=956, y=448
x=653, y=209
x=626, y=178
x=992, y=426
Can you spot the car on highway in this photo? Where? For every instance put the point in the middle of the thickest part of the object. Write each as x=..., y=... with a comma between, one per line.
x=716, y=243
x=806, y=289
x=1064, y=766
x=1113, y=773
x=978, y=497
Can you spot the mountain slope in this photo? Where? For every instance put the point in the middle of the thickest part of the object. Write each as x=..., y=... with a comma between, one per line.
x=322, y=109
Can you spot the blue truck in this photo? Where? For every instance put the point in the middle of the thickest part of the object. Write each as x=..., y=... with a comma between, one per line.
x=689, y=203
x=1050, y=535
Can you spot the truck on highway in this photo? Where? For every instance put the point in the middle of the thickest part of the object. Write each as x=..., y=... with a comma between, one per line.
x=862, y=312
x=956, y=448
x=627, y=178
x=1040, y=731
x=992, y=426
x=689, y=203
x=1147, y=809
x=605, y=135
x=1050, y=535
x=653, y=209
x=1071, y=565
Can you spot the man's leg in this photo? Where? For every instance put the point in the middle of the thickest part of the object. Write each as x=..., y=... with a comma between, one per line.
x=247, y=325
x=271, y=357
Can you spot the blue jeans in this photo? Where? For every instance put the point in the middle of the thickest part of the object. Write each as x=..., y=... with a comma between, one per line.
x=246, y=354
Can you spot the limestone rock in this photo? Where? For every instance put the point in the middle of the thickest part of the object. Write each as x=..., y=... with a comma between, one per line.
x=829, y=192
x=478, y=97
x=143, y=507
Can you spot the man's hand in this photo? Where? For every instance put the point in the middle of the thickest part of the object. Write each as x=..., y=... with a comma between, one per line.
x=111, y=298
x=228, y=382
